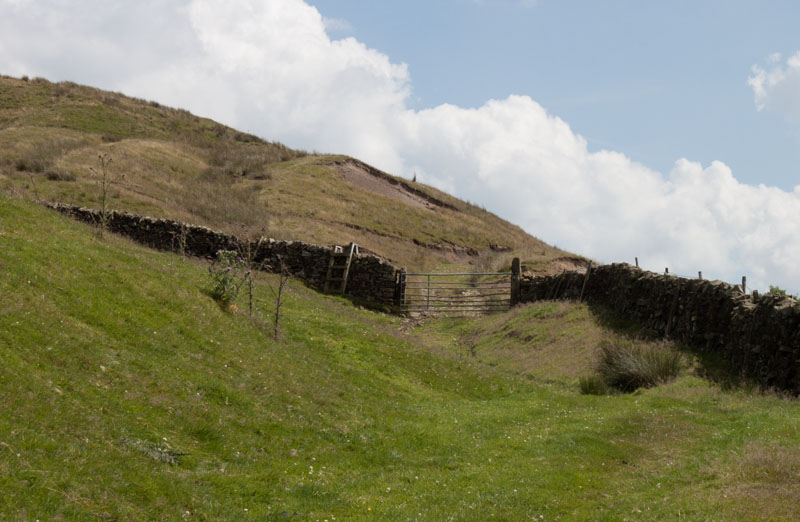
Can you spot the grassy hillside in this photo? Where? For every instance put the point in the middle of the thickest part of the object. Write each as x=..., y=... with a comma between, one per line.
x=170, y=163
x=128, y=394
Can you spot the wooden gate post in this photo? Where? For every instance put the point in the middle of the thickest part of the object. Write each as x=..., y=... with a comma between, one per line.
x=400, y=288
x=428, y=299
x=585, y=280
x=515, y=285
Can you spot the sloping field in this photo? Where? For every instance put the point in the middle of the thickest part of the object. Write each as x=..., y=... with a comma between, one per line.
x=169, y=163
x=129, y=394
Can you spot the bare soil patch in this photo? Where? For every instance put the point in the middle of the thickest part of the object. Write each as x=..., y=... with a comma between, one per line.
x=561, y=264
x=362, y=178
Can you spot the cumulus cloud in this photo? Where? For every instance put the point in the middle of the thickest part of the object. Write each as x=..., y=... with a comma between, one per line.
x=271, y=67
x=777, y=87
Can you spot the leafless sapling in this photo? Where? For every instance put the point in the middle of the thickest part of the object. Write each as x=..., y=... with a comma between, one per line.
x=284, y=276
x=33, y=184
x=248, y=252
x=104, y=182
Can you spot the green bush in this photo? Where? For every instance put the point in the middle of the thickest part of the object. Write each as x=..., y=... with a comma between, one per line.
x=778, y=291
x=224, y=275
x=627, y=365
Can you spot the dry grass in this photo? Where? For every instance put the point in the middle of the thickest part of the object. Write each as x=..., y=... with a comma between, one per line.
x=169, y=163
x=763, y=482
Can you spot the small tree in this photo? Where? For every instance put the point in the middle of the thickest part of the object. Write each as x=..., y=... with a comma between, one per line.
x=283, y=278
x=104, y=182
x=248, y=252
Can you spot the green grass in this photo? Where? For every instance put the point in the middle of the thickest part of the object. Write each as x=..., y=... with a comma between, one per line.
x=129, y=394
x=593, y=385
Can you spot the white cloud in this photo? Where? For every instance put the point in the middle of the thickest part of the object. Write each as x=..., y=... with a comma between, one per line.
x=269, y=67
x=777, y=88
x=337, y=25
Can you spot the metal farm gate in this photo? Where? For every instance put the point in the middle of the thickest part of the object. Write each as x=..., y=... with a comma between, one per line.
x=457, y=293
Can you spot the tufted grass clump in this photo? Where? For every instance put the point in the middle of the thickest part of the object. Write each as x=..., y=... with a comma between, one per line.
x=593, y=385
x=627, y=365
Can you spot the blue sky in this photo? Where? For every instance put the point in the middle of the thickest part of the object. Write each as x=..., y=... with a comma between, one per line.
x=657, y=81
x=667, y=131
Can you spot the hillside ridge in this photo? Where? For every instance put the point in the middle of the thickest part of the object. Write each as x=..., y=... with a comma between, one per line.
x=171, y=164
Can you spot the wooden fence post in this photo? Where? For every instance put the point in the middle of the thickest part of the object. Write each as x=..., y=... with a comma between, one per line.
x=744, y=284
x=585, y=280
x=700, y=275
x=666, y=271
x=515, y=284
x=400, y=288
x=428, y=300
x=637, y=261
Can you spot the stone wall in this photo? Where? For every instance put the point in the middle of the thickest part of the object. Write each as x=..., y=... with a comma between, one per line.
x=371, y=279
x=758, y=335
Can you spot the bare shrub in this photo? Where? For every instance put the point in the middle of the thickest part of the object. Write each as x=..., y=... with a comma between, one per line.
x=54, y=174
x=248, y=252
x=30, y=165
x=46, y=153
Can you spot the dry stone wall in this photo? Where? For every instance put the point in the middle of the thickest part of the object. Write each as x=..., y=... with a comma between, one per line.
x=758, y=335
x=371, y=280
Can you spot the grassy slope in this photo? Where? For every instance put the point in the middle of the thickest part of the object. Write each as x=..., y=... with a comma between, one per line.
x=179, y=166
x=111, y=353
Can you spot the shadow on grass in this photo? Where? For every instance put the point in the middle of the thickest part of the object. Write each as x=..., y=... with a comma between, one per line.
x=223, y=306
x=711, y=366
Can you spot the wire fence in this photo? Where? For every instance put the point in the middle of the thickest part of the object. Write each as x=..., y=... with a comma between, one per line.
x=699, y=275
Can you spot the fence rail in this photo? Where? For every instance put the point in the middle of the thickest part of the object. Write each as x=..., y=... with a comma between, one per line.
x=457, y=293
